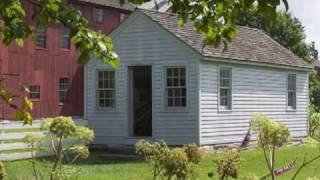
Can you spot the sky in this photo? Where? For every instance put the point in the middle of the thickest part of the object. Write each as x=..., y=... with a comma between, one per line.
x=308, y=12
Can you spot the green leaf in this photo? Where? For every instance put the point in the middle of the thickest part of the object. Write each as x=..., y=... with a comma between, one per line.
x=20, y=42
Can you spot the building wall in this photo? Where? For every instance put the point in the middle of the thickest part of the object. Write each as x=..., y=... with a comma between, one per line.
x=44, y=67
x=254, y=89
x=139, y=41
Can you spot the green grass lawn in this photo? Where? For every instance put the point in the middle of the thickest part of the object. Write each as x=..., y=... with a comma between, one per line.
x=98, y=167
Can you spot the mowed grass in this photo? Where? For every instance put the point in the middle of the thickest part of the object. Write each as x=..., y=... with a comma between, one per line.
x=99, y=167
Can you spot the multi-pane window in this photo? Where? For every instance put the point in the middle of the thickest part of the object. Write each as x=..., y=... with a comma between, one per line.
x=225, y=84
x=41, y=37
x=63, y=89
x=291, y=89
x=176, y=87
x=106, y=89
x=97, y=15
x=34, y=92
x=65, y=38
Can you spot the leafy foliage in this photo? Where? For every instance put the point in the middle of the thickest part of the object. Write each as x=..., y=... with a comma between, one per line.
x=270, y=135
x=58, y=130
x=166, y=163
x=315, y=125
x=228, y=164
x=2, y=171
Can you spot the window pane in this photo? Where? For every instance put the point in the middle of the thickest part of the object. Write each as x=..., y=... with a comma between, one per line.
x=225, y=87
x=106, y=89
x=97, y=14
x=170, y=102
x=63, y=89
x=176, y=91
x=41, y=37
x=291, y=89
x=34, y=92
x=65, y=38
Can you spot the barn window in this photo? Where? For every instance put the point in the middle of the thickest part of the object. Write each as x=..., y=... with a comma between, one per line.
x=41, y=37
x=291, y=89
x=63, y=89
x=106, y=89
x=176, y=87
x=122, y=16
x=225, y=88
x=34, y=92
x=97, y=15
x=65, y=38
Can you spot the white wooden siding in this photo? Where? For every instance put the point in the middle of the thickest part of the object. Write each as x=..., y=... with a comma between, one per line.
x=142, y=42
x=254, y=89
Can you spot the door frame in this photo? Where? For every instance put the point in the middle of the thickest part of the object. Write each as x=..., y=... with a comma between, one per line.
x=131, y=103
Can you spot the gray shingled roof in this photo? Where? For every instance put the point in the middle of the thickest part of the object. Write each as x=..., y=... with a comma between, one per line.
x=111, y=3
x=251, y=45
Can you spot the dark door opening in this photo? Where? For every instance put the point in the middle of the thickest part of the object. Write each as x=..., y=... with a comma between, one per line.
x=142, y=101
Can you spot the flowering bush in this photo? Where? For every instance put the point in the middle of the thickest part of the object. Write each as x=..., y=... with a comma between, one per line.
x=177, y=163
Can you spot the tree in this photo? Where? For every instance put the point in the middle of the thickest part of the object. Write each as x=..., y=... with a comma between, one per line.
x=270, y=135
x=216, y=20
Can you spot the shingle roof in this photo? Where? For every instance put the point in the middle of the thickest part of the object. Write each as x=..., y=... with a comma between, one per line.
x=251, y=44
x=111, y=3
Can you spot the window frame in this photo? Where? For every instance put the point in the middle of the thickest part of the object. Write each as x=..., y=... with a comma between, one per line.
x=63, y=37
x=34, y=92
x=294, y=107
x=222, y=108
x=96, y=15
x=97, y=89
x=45, y=36
x=63, y=90
x=175, y=108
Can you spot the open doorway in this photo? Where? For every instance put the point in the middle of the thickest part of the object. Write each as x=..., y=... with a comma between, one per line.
x=141, y=101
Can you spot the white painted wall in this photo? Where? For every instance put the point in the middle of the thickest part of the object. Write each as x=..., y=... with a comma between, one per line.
x=254, y=89
x=142, y=42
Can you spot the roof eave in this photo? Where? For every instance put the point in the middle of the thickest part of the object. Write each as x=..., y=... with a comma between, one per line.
x=248, y=62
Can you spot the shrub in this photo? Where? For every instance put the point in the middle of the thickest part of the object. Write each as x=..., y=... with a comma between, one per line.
x=58, y=130
x=315, y=125
x=2, y=171
x=177, y=163
x=270, y=135
x=228, y=164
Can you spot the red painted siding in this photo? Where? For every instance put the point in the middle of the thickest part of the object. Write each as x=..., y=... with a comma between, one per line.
x=30, y=65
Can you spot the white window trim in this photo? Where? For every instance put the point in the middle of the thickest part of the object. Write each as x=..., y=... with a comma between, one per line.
x=165, y=92
x=98, y=108
x=34, y=92
x=63, y=90
x=291, y=108
x=224, y=108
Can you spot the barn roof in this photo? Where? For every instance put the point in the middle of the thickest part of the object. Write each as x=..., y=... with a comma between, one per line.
x=250, y=45
x=111, y=3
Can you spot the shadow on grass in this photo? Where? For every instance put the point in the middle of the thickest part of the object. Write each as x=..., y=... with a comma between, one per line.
x=104, y=158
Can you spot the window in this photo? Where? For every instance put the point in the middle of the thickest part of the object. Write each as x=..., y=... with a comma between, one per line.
x=122, y=16
x=291, y=89
x=63, y=89
x=34, y=92
x=176, y=87
x=225, y=81
x=41, y=37
x=106, y=89
x=65, y=38
x=97, y=15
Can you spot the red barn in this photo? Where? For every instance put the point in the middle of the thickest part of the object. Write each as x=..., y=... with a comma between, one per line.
x=48, y=64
